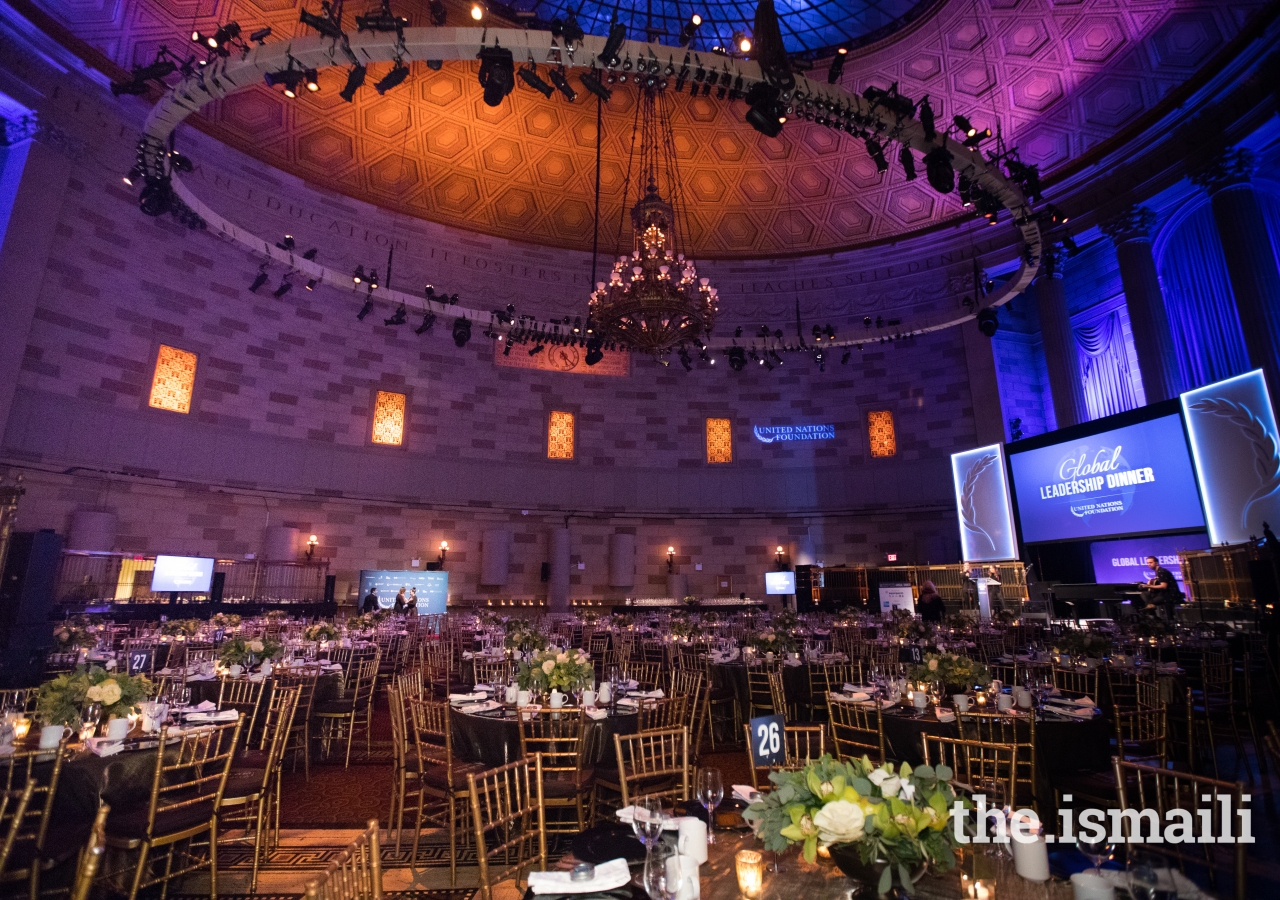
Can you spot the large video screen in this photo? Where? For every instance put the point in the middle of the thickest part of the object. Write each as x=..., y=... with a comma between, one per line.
x=780, y=583
x=430, y=588
x=1125, y=561
x=182, y=573
x=1136, y=479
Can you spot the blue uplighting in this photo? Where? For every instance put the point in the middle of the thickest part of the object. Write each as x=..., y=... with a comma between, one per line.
x=806, y=26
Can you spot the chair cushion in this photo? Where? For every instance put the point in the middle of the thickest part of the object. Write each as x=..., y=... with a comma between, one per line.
x=131, y=824
x=437, y=776
x=334, y=707
x=243, y=782
x=250, y=759
x=559, y=785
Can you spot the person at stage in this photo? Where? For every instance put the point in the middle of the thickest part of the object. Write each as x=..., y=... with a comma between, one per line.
x=399, y=607
x=929, y=604
x=1160, y=590
x=411, y=604
x=370, y=603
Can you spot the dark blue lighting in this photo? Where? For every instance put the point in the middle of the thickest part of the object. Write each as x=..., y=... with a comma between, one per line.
x=806, y=27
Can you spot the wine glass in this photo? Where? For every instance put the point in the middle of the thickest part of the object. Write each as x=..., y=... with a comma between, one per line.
x=646, y=819
x=1143, y=869
x=89, y=719
x=710, y=791
x=1098, y=851
x=658, y=883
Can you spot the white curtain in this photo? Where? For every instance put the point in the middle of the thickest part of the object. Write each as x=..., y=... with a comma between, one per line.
x=1104, y=362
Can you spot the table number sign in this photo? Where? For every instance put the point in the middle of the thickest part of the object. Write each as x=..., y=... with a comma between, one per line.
x=767, y=745
x=139, y=662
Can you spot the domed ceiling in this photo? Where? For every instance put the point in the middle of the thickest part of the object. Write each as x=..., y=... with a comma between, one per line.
x=1057, y=76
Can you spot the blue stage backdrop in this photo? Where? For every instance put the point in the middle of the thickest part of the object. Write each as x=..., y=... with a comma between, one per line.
x=1233, y=436
x=1131, y=480
x=433, y=588
x=1116, y=562
x=982, y=503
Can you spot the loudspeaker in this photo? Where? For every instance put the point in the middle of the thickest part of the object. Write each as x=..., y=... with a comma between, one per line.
x=546, y=571
x=330, y=588
x=26, y=600
x=216, y=585
x=804, y=588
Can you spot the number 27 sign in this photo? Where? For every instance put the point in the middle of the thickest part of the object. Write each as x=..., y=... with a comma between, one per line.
x=767, y=745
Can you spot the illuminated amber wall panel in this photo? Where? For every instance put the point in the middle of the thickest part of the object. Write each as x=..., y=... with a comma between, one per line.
x=174, y=380
x=388, y=418
x=560, y=436
x=884, y=442
x=719, y=441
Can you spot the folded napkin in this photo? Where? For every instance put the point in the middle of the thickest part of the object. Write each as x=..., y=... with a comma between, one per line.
x=650, y=695
x=482, y=687
x=855, y=697
x=1167, y=668
x=1167, y=880
x=1073, y=701
x=165, y=671
x=746, y=793
x=467, y=654
x=945, y=715
x=628, y=701
x=100, y=746
x=792, y=662
x=627, y=815
x=200, y=677
x=885, y=703
x=857, y=689
x=610, y=875
x=204, y=706
x=630, y=685
x=479, y=707
x=597, y=714
x=463, y=698
x=1074, y=712
x=221, y=715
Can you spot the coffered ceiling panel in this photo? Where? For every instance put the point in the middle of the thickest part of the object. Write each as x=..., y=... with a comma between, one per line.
x=1058, y=77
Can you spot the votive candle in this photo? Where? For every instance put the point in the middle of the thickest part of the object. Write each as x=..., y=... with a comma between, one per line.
x=750, y=867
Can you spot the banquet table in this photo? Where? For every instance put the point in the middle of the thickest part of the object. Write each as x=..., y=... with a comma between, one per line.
x=493, y=738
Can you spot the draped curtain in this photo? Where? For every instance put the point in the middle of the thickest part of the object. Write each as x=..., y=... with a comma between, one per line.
x=1104, y=363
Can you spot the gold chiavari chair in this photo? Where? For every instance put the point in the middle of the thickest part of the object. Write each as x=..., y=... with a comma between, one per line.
x=508, y=809
x=689, y=685
x=654, y=652
x=856, y=729
x=1152, y=792
x=659, y=714
x=1018, y=732
x=356, y=873
x=778, y=693
x=618, y=656
x=244, y=696
x=655, y=763
x=19, y=699
x=404, y=760
x=35, y=847
x=597, y=645
x=556, y=737
x=250, y=792
x=441, y=778
x=989, y=769
x=1215, y=704
x=760, y=696
x=1124, y=685
x=13, y=808
x=1083, y=682
x=829, y=677
x=493, y=673
x=299, y=741
x=721, y=699
x=647, y=674
x=351, y=711
x=91, y=857
x=803, y=744
x=409, y=684
x=186, y=789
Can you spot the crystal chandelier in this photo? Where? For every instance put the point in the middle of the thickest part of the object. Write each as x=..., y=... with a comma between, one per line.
x=654, y=300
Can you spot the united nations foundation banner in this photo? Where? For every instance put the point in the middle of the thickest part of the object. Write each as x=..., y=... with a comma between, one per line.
x=562, y=359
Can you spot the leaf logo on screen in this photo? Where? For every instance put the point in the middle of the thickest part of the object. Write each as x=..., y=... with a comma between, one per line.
x=762, y=436
x=968, y=505
x=1266, y=459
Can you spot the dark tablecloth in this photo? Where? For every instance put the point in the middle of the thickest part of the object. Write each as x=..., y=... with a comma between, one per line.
x=494, y=738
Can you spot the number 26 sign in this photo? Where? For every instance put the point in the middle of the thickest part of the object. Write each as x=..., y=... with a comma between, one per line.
x=767, y=745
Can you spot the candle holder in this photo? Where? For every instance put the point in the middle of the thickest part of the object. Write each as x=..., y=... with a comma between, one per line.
x=750, y=868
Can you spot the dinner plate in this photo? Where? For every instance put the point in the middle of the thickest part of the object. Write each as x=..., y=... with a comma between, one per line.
x=728, y=813
x=626, y=892
x=606, y=841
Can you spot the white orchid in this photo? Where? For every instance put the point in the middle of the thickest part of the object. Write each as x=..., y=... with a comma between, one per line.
x=840, y=821
x=907, y=792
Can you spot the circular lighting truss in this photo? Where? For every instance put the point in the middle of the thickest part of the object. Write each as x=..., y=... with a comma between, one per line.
x=225, y=76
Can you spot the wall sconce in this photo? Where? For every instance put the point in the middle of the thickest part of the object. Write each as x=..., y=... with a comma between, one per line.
x=671, y=560
x=777, y=557
x=311, y=545
x=444, y=550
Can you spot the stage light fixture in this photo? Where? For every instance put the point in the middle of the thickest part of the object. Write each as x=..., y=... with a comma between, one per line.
x=365, y=310
x=260, y=36
x=137, y=84
x=287, y=244
x=845, y=358
x=181, y=163
x=561, y=82
x=737, y=359
x=741, y=42
x=908, y=163
x=373, y=279
x=965, y=126
x=529, y=75
x=384, y=20
x=428, y=321
x=765, y=114
x=359, y=275
x=259, y=280
x=133, y=175
x=312, y=79
x=690, y=29
x=536, y=349
x=461, y=331
x=837, y=65
x=937, y=167
x=876, y=152
x=310, y=254
x=477, y=11
x=398, y=317
x=617, y=36
x=573, y=33
x=399, y=72
x=977, y=137
x=927, y=120
x=595, y=346
x=497, y=74
x=439, y=15
x=685, y=359
x=156, y=198
x=988, y=322
x=311, y=284
x=327, y=23
x=285, y=287
x=593, y=84
x=289, y=78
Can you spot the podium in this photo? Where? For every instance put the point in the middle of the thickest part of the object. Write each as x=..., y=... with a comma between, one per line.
x=984, y=596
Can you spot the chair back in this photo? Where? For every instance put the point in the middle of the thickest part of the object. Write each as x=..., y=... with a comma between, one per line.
x=361, y=682
x=432, y=734
x=509, y=813
x=493, y=672
x=19, y=699
x=988, y=769
x=689, y=686
x=13, y=809
x=760, y=689
x=856, y=730
x=1015, y=731
x=1151, y=793
x=91, y=856
x=556, y=736
x=1071, y=680
x=803, y=744
x=648, y=675
x=191, y=774
x=666, y=712
x=1142, y=735
x=653, y=762
x=409, y=684
x=282, y=708
x=356, y=873
x=25, y=822
x=244, y=696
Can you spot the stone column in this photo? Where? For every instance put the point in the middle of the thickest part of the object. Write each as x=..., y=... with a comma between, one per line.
x=1059, y=341
x=1251, y=262
x=1130, y=231
x=558, y=586
x=984, y=386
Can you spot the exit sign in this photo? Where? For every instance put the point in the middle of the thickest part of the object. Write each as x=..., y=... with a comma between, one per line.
x=891, y=557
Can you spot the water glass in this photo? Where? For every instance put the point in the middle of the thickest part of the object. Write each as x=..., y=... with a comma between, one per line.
x=657, y=884
x=1143, y=873
x=647, y=819
x=89, y=719
x=1098, y=851
x=709, y=789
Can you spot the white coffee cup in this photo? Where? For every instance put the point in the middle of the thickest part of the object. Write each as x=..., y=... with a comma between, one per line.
x=606, y=693
x=557, y=700
x=235, y=669
x=692, y=841
x=961, y=702
x=522, y=698
x=920, y=699
x=682, y=871
x=51, y=736
x=510, y=695
x=117, y=729
x=1024, y=699
x=1004, y=703
x=1087, y=886
x=588, y=698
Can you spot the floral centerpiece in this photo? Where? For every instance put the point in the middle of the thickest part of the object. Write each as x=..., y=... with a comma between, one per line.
x=952, y=669
x=1151, y=627
x=276, y=616
x=554, y=669
x=682, y=628
x=523, y=635
x=870, y=817
x=321, y=631
x=772, y=642
x=786, y=621
x=689, y=601
x=73, y=634
x=1083, y=643
x=180, y=628
x=62, y=699
x=907, y=625
x=245, y=651
x=225, y=620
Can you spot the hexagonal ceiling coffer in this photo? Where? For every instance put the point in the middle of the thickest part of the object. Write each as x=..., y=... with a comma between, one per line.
x=1095, y=40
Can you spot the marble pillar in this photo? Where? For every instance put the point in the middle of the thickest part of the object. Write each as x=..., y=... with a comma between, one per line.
x=1060, y=354
x=1251, y=260
x=1130, y=231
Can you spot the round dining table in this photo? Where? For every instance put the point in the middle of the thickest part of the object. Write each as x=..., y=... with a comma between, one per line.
x=493, y=737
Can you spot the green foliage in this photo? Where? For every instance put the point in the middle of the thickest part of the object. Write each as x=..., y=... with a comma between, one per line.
x=62, y=699
x=322, y=631
x=561, y=670
x=1083, y=643
x=245, y=651
x=180, y=628
x=951, y=669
